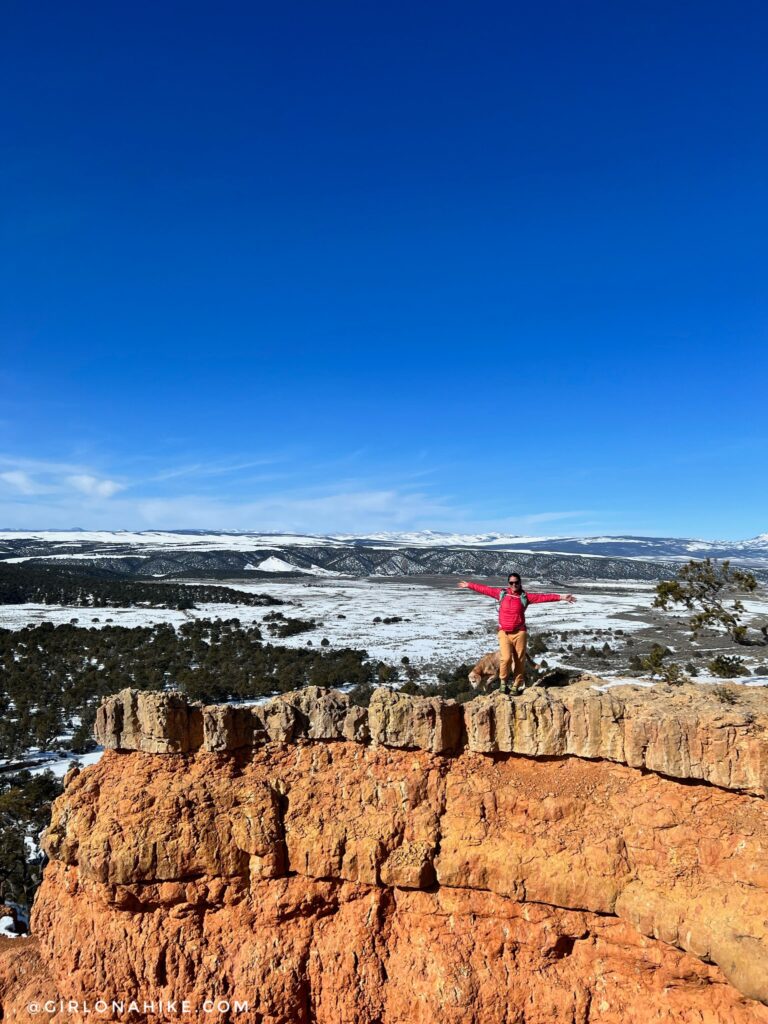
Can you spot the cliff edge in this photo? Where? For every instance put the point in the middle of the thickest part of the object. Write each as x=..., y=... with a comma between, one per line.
x=578, y=855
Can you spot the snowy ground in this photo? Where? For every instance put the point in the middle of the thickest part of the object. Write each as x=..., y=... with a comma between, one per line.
x=57, y=761
x=621, y=680
x=440, y=625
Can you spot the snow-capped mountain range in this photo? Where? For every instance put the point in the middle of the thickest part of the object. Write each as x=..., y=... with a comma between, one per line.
x=161, y=553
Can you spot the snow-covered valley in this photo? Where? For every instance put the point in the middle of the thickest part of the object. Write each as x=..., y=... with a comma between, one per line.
x=429, y=626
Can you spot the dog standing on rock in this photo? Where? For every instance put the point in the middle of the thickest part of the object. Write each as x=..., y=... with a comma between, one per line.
x=485, y=673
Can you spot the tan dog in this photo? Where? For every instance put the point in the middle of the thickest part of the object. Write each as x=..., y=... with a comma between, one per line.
x=486, y=672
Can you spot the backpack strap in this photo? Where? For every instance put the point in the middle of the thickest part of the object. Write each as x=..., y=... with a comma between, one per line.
x=503, y=593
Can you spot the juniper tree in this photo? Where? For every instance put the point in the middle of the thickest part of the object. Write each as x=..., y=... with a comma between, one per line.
x=711, y=591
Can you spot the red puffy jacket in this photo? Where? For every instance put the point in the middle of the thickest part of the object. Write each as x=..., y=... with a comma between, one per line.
x=511, y=611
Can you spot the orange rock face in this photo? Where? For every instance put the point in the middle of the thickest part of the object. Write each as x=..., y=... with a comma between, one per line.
x=339, y=882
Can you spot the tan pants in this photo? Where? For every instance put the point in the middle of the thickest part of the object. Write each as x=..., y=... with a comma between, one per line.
x=512, y=652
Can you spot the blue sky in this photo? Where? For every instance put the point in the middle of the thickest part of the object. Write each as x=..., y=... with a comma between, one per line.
x=349, y=267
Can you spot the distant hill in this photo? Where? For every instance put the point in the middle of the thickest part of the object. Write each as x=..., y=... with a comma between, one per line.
x=194, y=553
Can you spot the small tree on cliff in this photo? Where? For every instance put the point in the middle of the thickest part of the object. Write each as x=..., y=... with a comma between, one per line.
x=710, y=590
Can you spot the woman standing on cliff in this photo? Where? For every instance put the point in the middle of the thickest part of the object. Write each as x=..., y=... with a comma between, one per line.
x=513, y=633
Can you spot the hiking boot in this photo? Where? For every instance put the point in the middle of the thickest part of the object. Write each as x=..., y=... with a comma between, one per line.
x=503, y=688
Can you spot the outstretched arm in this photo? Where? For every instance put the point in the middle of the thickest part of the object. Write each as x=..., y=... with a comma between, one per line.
x=541, y=598
x=480, y=589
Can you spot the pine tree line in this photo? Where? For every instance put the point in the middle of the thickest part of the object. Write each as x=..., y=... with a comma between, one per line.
x=21, y=584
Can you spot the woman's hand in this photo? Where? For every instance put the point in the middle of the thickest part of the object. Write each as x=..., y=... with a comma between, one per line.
x=463, y=585
x=569, y=598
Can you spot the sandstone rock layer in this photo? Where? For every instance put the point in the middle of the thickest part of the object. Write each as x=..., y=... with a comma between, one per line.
x=323, y=865
x=684, y=732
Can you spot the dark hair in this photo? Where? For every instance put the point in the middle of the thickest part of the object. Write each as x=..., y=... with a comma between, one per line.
x=516, y=574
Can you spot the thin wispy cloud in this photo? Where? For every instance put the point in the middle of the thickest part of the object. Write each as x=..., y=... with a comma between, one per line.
x=93, y=487
x=35, y=477
x=222, y=494
x=343, y=512
x=339, y=511
x=551, y=517
x=208, y=469
x=39, y=493
x=21, y=481
x=40, y=465
x=576, y=522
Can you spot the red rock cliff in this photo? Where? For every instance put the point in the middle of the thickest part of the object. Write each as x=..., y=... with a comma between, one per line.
x=582, y=856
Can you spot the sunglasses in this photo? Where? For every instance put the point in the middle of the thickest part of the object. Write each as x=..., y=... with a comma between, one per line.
x=515, y=583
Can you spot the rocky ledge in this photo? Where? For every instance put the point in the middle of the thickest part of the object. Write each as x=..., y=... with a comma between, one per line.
x=684, y=732
x=564, y=856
